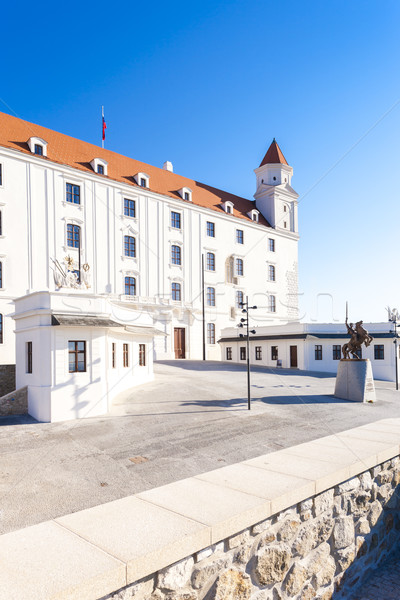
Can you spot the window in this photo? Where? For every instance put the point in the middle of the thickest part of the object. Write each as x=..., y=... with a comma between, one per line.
x=229, y=209
x=100, y=169
x=337, y=350
x=38, y=149
x=210, y=229
x=284, y=224
x=239, y=266
x=125, y=355
x=176, y=291
x=175, y=220
x=130, y=286
x=1, y=223
x=318, y=352
x=187, y=196
x=1, y=275
x=113, y=355
x=73, y=235
x=239, y=236
x=272, y=303
x=229, y=353
x=176, y=257
x=1, y=329
x=271, y=245
x=143, y=182
x=210, y=261
x=284, y=209
x=239, y=298
x=1, y=174
x=274, y=352
x=129, y=208
x=76, y=357
x=29, y=357
x=210, y=296
x=242, y=352
x=129, y=246
x=210, y=333
x=73, y=193
x=142, y=355
x=271, y=272
x=258, y=353
x=379, y=352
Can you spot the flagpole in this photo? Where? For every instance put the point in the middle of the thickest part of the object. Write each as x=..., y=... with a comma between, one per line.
x=102, y=130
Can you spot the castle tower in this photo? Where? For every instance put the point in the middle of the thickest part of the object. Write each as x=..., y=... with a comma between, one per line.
x=275, y=198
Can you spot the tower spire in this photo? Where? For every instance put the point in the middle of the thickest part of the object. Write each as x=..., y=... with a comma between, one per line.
x=274, y=155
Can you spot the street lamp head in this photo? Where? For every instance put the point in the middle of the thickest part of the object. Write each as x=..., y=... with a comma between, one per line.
x=254, y=307
x=241, y=335
x=244, y=310
x=240, y=325
x=254, y=331
x=242, y=320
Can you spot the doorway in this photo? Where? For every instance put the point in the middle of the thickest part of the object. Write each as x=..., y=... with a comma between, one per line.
x=179, y=342
x=293, y=356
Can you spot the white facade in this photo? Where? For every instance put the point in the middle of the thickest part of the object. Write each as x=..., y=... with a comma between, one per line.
x=116, y=353
x=311, y=347
x=36, y=212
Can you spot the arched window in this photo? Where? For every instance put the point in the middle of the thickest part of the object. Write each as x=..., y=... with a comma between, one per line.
x=210, y=296
x=176, y=255
x=229, y=269
x=129, y=246
x=210, y=261
x=271, y=272
x=176, y=291
x=130, y=286
x=239, y=266
x=73, y=235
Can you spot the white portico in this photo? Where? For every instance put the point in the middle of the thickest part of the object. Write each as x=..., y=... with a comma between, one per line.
x=77, y=351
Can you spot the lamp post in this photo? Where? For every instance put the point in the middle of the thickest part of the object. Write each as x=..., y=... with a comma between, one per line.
x=245, y=322
x=393, y=315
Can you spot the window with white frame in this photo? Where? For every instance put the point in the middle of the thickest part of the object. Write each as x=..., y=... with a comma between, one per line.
x=210, y=261
x=175, y=220
x=239, y=267
x=271, y=245
x=73, y=193
x=176, y=291
x=129, y=207
x=176, y=255
x=210, y=333
x=239, y=298
x=1, y=174
x=37, y=146
x=272, y=303
x=73, y=235
x=239, y=236
x=271, y=272
x=210, y=296
x=210, y=229
x=1, y=328
x=130, y=246
x=142, y=179
x=130, y=286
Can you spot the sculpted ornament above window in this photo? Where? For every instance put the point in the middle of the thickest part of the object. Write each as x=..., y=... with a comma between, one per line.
x=71, y=277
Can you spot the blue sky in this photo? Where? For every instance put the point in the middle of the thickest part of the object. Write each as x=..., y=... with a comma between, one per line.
x=207, y=85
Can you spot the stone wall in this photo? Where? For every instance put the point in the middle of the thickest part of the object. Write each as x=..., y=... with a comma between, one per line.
x=7, y=379
x=320, y=548
x=15, y=403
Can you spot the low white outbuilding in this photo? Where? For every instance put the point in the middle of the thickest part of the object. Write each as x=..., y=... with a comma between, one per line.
x=76, y=351
x=311, y=347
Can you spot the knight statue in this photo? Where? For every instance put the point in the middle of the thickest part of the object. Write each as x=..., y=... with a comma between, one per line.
x=359, y=336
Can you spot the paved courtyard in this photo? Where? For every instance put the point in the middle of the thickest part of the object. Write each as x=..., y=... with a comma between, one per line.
x=193, y=418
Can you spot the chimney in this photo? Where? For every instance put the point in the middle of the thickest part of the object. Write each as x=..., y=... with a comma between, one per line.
x=167, y=166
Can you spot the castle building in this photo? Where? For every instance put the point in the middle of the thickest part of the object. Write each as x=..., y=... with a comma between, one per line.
x=80, y=221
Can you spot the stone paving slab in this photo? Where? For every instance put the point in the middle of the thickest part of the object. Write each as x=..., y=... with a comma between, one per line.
x=192, y=419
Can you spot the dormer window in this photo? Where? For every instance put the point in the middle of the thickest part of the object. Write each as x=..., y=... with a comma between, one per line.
x=186, y=193
x=37, y=146
x=254, y=214
x=142, y=179
x=99, y=166
x=228, y=207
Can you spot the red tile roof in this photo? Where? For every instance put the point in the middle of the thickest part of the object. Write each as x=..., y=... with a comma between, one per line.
x=66, y=150
x=274, y=155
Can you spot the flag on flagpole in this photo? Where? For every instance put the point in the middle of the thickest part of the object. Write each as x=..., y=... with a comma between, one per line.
x=104, y=126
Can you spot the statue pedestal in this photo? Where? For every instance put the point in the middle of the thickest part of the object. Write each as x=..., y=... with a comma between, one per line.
x=354, y=381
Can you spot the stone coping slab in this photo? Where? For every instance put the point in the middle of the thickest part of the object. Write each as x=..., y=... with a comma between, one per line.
x=93, y=552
